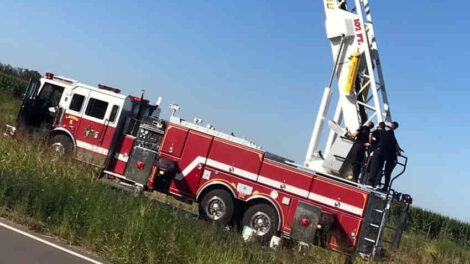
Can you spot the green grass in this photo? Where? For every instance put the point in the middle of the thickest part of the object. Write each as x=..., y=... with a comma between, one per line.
x=9, y=106
x=64, y=198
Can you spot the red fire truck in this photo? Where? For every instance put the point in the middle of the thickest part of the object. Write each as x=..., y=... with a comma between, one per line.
x=232, y=178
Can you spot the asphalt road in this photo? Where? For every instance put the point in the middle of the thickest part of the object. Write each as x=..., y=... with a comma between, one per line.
x=18, y=248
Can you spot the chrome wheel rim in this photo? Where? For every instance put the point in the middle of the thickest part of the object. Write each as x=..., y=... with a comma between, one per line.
x=215, y=208
x=58, y=148
x=261, y=223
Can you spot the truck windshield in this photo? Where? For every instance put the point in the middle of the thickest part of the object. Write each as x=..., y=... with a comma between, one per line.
x=50, y=94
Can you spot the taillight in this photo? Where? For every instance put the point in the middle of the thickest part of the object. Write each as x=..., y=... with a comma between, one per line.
x=304, y=222
x=49, y=75
x=140, y=165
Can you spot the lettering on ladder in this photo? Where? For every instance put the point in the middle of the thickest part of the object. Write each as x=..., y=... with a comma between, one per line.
x=358, y=28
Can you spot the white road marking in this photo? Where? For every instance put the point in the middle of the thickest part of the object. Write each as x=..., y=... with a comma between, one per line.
x=50, y=244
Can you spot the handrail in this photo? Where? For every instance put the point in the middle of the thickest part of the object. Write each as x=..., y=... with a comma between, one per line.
x=403, y=165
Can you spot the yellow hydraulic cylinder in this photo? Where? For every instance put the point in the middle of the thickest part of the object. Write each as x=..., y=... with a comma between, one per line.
x=352, y=74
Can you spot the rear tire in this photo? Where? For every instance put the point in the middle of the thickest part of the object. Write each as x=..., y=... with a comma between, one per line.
x=217, y=206
x=263, y=219
x=61, y=145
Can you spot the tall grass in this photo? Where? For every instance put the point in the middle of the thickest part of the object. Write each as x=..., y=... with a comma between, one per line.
x=64, y=198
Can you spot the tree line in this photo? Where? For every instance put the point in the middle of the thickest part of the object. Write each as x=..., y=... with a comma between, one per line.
x=20, y=73
x=13, y=80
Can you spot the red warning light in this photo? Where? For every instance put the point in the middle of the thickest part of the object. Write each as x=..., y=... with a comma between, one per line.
x=304, y=222
x=140, y=165
x=104, y=87
x=49, y=75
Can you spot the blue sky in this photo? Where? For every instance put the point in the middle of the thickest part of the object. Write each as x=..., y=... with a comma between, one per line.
x=258, y=68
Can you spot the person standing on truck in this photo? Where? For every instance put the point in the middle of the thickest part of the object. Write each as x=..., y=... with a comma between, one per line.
x=386, y=153
x=373, y=141
x=374, y=137
x=358, y=150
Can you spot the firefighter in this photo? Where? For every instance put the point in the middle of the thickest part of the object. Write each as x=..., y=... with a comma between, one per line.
x=374, y=137
x=386, y=153
x=358, y=150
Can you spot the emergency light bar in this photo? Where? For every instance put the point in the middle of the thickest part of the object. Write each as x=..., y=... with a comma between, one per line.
x=49, y=75
x=137, y=99
x=107, y=88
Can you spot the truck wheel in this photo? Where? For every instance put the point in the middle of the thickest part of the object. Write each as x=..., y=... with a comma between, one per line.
x=263, y=219
x=217, y=206
x=61, y=145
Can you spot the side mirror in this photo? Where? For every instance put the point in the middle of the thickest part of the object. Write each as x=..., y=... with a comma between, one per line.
x=52, y=110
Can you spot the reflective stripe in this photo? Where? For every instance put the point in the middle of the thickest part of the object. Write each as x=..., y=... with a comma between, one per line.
x=198, y=160
x=270, y=182
x=93, y=148
x=231, y=169
x=335, y=203
x=122, y=157
x=283, y=186
x=193, y=165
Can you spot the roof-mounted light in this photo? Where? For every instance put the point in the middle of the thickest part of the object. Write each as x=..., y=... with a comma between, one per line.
x=107, y=88
x=49, y=75
x=137, y=99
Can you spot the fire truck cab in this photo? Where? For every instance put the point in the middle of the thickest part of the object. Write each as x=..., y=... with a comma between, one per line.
x=79, y=119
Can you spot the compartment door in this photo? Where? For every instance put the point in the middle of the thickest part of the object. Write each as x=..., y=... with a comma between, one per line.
x=192, y=163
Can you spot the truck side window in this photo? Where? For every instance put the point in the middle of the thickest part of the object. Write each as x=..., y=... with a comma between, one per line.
x=77, y=102
x=50, y=94
x=96, y=108
x=114, y=112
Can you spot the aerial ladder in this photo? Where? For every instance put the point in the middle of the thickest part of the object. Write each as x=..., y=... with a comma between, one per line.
x=361, y=88
x=361, y=97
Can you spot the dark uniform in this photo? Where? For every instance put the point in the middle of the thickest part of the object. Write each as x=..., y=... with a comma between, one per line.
x=385, y=152
x=375, y=140
x=358, y=150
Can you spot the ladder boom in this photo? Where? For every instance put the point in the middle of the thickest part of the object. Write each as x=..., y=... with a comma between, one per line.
x=361, y=95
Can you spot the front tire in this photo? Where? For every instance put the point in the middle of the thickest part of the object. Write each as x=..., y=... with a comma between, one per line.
x=217, y=206
x=263, y=219
x=61, y=145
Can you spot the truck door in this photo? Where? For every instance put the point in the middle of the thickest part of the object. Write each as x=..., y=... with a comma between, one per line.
x=29, y=95
x=74, y=112
x=34, y=111
x=96, y=127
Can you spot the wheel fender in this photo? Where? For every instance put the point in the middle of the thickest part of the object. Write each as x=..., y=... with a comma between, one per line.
x=213, y=184
x=61, y=130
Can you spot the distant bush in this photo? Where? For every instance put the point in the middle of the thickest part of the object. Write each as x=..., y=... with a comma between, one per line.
x=11, y=85
x=13, y=80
